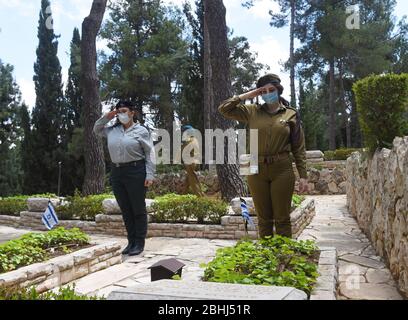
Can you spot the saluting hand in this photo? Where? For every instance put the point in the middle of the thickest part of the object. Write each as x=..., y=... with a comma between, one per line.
x=257, y=92
x=110, y=115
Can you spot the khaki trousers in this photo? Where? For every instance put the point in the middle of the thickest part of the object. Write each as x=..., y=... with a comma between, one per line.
x=272, y=191
x=192, y=180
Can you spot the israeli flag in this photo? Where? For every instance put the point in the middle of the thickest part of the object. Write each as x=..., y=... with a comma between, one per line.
x=49, y=217
x=245, y=212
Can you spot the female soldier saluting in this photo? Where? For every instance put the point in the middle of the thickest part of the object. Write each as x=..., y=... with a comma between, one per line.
x=279, y=132
x=130, y=150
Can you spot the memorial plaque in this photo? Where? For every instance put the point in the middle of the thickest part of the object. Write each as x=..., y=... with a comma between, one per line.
x=197, y=290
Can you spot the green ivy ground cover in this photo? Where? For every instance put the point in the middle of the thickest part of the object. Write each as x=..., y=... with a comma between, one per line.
x=38, y=247
x=175, y=208
x=274, y=261
x=297, y=200
x=66, y=293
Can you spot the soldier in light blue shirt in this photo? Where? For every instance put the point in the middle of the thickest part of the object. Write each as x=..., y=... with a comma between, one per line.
x=132, y=153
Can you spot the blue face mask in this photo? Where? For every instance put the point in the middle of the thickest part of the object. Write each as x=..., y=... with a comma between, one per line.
x=271, y=98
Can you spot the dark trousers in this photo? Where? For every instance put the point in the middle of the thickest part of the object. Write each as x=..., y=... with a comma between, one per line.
x=130, y=193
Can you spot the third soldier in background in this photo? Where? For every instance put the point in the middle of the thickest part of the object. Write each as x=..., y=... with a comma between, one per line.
x=192, y=181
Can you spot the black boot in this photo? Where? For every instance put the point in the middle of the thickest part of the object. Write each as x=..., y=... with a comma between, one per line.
x=137, y=248
x=127, y=249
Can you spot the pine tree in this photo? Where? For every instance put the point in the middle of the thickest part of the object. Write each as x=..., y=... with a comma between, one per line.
x=244, y=69
x=400, y=55
x=74, y=168
x=191, y=108
x=73, y=93
x=340, y=56
x=290, y=11
x=26, y=149
x=48, y=117
x=10, y=133
x=217, y=88
x=94, y=179
x=148, y=57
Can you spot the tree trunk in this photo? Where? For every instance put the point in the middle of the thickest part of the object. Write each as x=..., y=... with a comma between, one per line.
x=332, y=111
x=345, y=107
x=357, y=141
x=217, y=88
x=94, y=181
x=292, y=54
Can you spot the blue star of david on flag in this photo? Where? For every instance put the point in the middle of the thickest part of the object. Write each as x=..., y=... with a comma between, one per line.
x=245, y=212
x=49, y=217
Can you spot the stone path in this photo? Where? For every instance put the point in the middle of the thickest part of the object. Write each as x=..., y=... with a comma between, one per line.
x=362, y=274
x=8, y=233
x=134, y=270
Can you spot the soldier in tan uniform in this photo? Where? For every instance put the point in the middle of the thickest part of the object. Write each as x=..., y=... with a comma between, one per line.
x=279, y=132
x=192, y=181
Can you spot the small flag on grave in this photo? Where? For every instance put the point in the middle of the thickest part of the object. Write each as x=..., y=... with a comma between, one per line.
x=49, y=217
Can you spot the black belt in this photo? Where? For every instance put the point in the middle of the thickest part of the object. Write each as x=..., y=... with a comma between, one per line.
x=128, y=164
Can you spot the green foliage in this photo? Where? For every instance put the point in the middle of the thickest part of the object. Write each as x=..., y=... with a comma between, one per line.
x=274, y=261
x=316, y=166
x=64, y=293
x=83, y=208
x=47, y=139
x=382, y=104
x=191, y=106
x=339, y=154
x=312, y=114
x=176, y=208
x=169, y=168
x=297, y=200
x=244, y=69
x=148, y=54
x=11, y=174
x=14, y=205
x=36, y=247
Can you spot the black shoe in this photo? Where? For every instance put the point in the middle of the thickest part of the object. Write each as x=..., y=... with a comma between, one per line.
x=127, y=249
x=136, y=249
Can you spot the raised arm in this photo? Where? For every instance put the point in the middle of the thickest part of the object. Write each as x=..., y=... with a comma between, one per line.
x=99, y=127
x=235, y=109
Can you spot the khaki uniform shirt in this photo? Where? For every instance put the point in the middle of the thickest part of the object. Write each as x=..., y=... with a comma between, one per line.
x=277, y=132
x=193, y=146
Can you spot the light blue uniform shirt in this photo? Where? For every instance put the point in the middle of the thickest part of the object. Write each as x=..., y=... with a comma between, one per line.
x=127, y=145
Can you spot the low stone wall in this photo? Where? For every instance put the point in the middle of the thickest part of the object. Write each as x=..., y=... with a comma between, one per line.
x=325, y=178
x=65, y=269
x=11, y=221
x=231, y=227
x=326, y=284
x=377, y=195
x=327, y=181
x=176, y=182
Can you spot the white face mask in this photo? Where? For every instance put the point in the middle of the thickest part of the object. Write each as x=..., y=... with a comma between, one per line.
x=123, y=118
